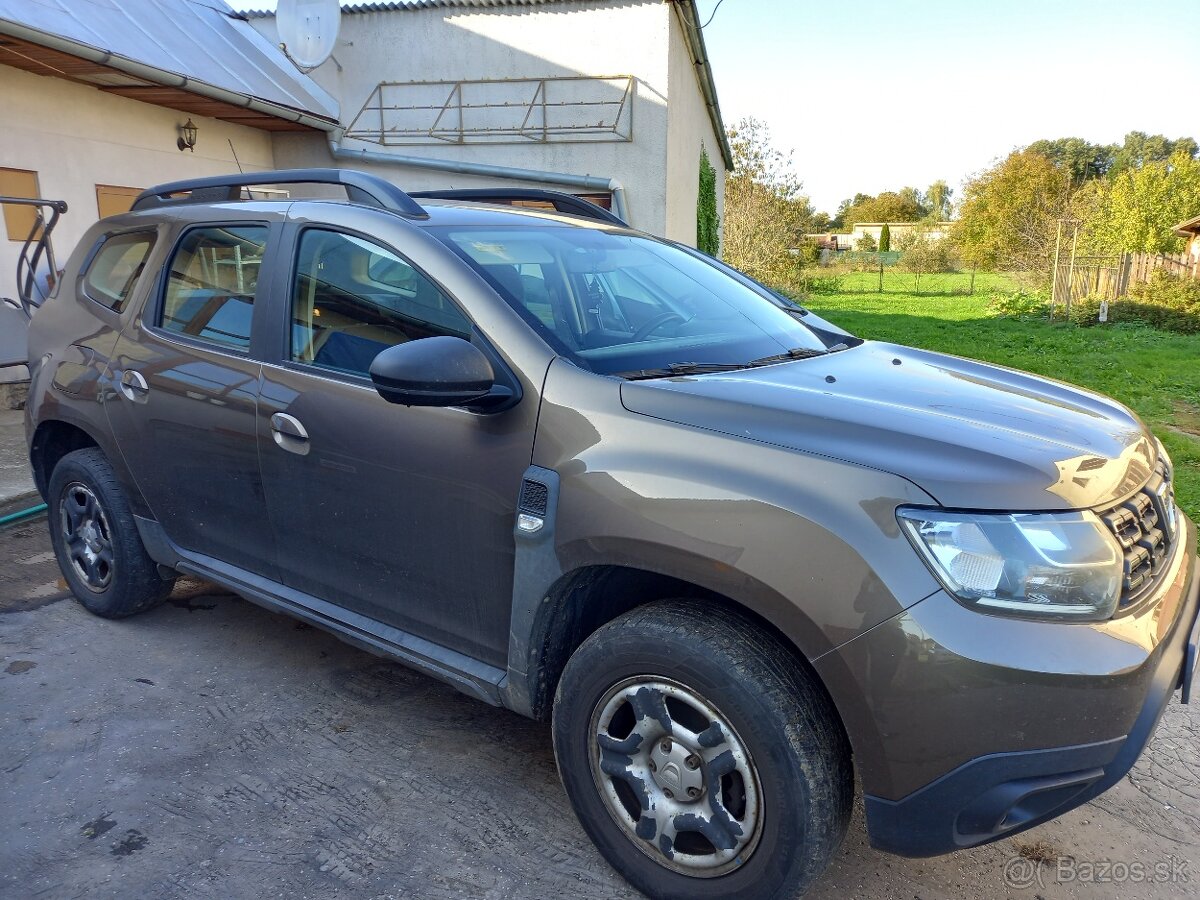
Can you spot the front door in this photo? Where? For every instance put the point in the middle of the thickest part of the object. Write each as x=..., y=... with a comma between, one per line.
x=186, y=388
x=403, y=514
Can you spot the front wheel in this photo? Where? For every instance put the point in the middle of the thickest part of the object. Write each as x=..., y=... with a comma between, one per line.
x=699, y=757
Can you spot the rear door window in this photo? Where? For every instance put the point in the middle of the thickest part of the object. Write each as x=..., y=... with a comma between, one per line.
x=116, y=267
x=212, y=284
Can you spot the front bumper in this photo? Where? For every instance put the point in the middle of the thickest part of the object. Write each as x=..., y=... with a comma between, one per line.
x=968, y=734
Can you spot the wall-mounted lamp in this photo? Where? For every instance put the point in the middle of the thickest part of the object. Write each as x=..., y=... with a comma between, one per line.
x=187, y=136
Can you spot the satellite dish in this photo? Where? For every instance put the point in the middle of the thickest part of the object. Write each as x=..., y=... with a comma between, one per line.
x=308, y=30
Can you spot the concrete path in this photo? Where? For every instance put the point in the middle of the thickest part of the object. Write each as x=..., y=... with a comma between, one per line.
x=16, y=481
x=209, y=749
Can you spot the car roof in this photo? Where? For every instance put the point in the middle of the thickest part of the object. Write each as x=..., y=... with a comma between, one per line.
x=440, y=212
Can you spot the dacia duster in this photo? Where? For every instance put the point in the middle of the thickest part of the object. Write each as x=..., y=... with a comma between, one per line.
x=736, y=555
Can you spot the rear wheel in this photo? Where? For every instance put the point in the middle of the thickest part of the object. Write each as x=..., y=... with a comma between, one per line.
x=700, y=758
x=96, y=540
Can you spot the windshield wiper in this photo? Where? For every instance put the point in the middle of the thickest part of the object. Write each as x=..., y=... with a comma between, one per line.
x=794, y=353
x=695, y=368
x=682, y=368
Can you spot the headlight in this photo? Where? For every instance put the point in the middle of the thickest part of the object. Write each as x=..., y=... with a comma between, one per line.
x=1052, y=565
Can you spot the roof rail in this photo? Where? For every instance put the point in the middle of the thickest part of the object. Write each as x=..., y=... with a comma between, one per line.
x=361, y=187
x=560, y=200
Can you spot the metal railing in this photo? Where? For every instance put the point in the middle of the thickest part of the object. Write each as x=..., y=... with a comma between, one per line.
x=559, y=109
x=37, y=253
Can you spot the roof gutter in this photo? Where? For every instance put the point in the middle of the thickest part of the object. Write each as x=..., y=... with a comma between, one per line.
x=163, y=77
x=694, y=36
x=463, y=167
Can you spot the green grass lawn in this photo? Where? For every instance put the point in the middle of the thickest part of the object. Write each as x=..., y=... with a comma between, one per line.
x=1155, y=373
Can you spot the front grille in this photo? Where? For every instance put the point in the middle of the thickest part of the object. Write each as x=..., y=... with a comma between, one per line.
x=1143, y=525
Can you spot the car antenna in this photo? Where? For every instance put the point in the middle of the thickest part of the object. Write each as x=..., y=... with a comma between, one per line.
x=234, y=152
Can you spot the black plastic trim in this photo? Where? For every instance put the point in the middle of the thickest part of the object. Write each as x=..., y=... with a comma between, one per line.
x=535, y=571
x=361, y=187
x=560, y=200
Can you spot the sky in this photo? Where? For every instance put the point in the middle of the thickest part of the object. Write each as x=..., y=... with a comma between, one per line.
x=874, y=96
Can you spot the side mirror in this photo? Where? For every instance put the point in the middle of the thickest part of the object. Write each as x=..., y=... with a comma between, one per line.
x=435, y=371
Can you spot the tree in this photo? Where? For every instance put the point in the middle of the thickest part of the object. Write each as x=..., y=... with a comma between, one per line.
x=937, y=200
x=921, y=254
x=766, y=211
x=1080, y=159
x=905, y=205
x=1009, y=214
x=866, y=243
x=885, y=238
x=708, y=224
x=1141, y=148
x=1137, y=209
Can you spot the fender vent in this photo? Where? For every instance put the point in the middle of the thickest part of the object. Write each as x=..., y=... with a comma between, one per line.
x=534, y=496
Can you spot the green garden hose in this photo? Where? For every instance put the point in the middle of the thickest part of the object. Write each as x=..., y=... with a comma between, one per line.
x=22, y=515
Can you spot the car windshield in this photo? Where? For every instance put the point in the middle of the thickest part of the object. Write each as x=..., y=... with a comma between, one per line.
x=629, y=305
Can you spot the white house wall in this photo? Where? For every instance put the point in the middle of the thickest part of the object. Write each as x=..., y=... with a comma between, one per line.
x=75, y=137
x=616, y=38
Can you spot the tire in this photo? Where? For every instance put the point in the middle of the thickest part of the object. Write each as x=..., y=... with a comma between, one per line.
x=96, y=541
x=779, y=755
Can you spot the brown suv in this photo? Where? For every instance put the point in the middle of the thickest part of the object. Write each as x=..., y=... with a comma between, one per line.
x=737, y=555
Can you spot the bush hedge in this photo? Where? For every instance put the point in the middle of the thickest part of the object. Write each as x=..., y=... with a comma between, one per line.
x=1165, y=301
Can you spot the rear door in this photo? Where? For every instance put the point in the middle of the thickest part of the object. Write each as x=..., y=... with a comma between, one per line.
x=402, y=514
x=186, y=389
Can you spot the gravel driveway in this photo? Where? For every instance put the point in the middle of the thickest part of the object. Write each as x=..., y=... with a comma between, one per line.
x=212, y=749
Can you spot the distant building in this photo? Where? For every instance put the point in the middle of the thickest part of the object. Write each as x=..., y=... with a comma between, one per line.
x=934, y=231
x=837, y=241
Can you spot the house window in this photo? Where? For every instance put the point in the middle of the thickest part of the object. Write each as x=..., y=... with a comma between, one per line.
x=112, y=200
x=23, y=183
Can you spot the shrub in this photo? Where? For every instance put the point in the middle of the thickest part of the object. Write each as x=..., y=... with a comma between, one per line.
x=1165, y=301
x=885, y=238
x=1085, y=311
x=1170, y=298
x=866, y=243
x=708, y=224
x=823, y=284
x=1019, y=304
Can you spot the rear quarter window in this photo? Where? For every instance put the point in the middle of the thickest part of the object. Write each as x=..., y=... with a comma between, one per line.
x=212, y=283
x=116, y=267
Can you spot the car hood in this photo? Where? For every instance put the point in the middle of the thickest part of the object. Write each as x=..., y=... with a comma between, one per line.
x=971, y=435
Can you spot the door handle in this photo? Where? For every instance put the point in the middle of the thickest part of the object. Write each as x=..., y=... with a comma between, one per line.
x=289, y=433
x=133, y=385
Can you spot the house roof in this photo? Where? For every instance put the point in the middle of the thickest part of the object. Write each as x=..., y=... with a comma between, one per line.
x=390, y=5
x=142, y=48
x=1188, y=227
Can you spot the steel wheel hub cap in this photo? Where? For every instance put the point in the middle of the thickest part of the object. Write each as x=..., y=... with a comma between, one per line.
x=87, y=536
x=676, y=777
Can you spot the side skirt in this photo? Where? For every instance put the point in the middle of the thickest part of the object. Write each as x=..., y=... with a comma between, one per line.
x=467, y=674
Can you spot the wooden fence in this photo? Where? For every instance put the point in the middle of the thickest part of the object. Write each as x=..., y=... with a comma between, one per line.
x=1111, y=277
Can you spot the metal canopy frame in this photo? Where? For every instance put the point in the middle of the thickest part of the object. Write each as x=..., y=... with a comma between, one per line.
x=555, y=109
